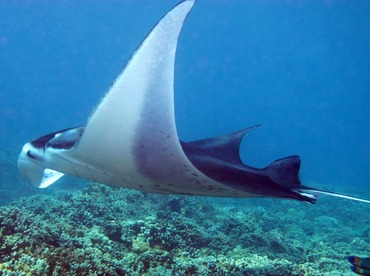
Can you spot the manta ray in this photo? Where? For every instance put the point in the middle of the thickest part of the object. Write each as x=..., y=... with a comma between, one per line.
x=130, y=140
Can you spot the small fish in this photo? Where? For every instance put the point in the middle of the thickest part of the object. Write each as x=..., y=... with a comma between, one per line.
x=360, y=265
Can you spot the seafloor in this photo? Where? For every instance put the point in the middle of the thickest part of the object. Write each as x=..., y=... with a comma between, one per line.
x=97, y=230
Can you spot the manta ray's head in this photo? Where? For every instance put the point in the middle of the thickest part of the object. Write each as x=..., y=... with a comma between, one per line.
x=30, y=163
x=36, y=158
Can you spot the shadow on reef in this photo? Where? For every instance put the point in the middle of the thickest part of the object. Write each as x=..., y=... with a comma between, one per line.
x=122, y=232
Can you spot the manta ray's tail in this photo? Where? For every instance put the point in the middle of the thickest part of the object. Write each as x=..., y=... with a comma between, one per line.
x=303, y=190
x=285, y=173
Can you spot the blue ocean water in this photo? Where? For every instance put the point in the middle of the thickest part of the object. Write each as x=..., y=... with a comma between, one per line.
x=299, y=68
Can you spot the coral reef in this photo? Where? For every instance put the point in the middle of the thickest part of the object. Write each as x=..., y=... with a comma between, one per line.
x=100, y=230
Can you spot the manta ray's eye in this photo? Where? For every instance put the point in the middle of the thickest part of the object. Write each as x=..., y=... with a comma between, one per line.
x=33, y=156
x=29, y=154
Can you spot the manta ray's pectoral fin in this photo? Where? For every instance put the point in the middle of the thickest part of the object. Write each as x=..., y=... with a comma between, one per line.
x=226, y=146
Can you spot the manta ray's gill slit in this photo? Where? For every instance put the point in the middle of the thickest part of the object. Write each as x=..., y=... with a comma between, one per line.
x=109, y=179
x=75, y=170
x=92, y=176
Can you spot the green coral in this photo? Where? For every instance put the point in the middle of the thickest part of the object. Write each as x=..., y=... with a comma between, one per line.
x=101, y=230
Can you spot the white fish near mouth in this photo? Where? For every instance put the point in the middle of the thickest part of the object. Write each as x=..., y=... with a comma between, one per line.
x=131, y=140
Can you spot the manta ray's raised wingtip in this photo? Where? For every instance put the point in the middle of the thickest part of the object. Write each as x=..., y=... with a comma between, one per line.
x=143, y=96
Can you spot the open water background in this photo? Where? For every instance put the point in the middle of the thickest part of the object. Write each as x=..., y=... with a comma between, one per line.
x=300, y=68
